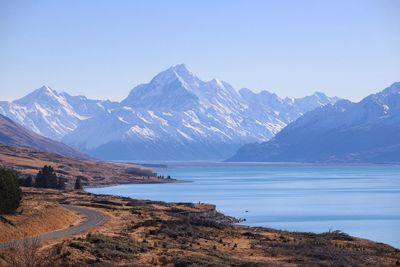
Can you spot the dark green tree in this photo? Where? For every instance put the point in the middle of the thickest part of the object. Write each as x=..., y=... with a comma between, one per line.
x=21, y=181
x=27, y=182
x=10, y=192
x=46, y=178
x=78, y=183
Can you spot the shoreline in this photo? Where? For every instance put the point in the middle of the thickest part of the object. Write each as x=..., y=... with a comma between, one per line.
x=174, y=181
x=256, y=218
x=161, y=233
x=239, y=221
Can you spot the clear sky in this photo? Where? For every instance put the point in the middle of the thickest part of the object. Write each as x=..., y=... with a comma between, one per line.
x=102, y=49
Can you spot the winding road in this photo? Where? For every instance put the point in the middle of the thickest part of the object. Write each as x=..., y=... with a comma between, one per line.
x=93, y=219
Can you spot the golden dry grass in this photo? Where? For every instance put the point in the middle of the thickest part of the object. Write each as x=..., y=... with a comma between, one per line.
x=151, y=233
x=34, y=217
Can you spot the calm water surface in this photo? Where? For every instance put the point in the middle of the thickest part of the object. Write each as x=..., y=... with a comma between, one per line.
x=363, y=200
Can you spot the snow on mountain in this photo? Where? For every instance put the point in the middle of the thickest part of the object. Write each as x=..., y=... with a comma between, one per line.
x=178, y=116
x=52, y=114
x=269, y=109
x=174, y=116
x=367, y=131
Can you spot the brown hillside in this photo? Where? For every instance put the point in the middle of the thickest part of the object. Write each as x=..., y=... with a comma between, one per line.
x=14, y=134
x=94, y=173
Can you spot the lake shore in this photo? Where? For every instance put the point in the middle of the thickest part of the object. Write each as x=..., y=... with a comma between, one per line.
x=359, y=200
x=159, y=233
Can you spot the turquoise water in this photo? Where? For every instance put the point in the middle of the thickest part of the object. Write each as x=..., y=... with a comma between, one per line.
x=360, y=200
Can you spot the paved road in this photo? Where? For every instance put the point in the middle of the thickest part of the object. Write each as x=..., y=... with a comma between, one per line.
x=93, y=219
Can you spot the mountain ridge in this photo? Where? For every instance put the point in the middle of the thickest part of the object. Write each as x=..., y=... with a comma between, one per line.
x=175, y=114
x=366, y=131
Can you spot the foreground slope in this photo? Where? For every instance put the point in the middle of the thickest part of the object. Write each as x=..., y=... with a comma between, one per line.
x=14, y=134
x=154, y=233
x=367, y=131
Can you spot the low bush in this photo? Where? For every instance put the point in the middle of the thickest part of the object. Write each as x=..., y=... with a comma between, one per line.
x=109, y=248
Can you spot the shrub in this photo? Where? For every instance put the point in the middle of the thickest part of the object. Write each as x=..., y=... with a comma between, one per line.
x=109, y=248
x=10, y=192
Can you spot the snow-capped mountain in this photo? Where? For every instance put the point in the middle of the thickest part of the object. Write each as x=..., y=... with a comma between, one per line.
x=178, y=116
x=174, y=116
x=52, y=114
x=368, y=131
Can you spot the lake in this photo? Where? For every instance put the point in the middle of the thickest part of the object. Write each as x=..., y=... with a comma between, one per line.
x=361, y=200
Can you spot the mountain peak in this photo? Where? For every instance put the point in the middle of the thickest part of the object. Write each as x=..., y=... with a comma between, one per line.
x=180, y=68
x=180, y=72
x=319, y=94
x=42, y=92
x=45, y=88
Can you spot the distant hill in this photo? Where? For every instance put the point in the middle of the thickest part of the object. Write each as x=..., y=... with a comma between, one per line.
x=368, y=131
x=29, y=161
x=14, y=134
x=175, y=116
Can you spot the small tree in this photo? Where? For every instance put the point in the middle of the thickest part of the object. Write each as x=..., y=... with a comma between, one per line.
x=27, y=182
x=46, y=178
x=78, y=183
x=10, y=192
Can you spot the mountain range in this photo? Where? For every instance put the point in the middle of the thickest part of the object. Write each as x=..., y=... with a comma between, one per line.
x=367, y=131
x=176, y=116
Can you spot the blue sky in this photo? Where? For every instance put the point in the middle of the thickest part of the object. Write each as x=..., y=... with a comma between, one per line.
x=102, y=49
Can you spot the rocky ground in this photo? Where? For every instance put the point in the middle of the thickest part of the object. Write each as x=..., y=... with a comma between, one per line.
x=152, y=233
